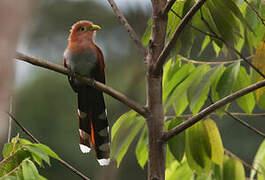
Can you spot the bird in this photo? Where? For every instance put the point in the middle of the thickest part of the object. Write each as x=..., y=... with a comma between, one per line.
x=82, y=56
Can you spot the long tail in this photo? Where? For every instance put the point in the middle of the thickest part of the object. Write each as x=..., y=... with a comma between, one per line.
x=93, y=124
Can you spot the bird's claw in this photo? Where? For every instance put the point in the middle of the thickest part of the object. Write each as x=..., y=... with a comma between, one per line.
x=72, y=73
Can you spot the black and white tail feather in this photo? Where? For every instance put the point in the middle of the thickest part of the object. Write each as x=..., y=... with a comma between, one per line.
x=93, y=124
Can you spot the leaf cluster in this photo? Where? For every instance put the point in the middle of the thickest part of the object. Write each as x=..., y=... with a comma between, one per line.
x=20, y=157
x=198, y=153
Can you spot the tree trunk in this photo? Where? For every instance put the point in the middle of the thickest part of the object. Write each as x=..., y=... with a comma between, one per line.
x=155, y=123
x=155, y=117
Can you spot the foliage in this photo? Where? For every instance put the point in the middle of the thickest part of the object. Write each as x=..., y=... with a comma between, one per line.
x=199, y=153
x=20, y=157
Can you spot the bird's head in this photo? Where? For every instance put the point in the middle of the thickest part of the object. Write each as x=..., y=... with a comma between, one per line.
x=83, y=31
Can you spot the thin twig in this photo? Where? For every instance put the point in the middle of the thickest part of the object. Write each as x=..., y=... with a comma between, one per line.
x=10, y=155
x=37, y=141
x=245, y=124
x=13, y=170
x=22, y=127
x=215, y=114
x=163, y=56
x=127, y=26
x=205, y=112
x=214, y=62
x=194, y=27
x=10, y=120
x=241, y=56
x=168, y=6
x=256, y=12
x=230, y=47
x=100, y=86
x=214, y=35
x=229, y=153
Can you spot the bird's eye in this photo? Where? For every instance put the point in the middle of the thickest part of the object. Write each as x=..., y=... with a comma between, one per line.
x=83, y=28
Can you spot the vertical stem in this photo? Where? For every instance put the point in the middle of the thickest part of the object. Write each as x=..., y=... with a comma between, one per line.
x=10, y=119
x=155, y=123
x=155, y=118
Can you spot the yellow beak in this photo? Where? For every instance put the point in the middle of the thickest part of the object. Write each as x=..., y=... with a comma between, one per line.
x=95, y=27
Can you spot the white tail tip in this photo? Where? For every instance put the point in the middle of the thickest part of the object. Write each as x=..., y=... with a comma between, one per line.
x=104, y=162
x=84, y=148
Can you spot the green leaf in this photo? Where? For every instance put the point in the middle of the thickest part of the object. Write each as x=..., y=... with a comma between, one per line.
x=217, y=150
x=141, y=148
x=15, y=139
x=171, y=82
x=188, y=4
x=173, y=20
x=204, y=176
x=177, y=143
x=198, y=91
x=48, y=150
x=217, y=172
x=236, y=11
x=180, y=93
x=247, y=102
x=8, y=147
x=38, y=160
x=224, y=20
x=187, y=38
x=179, y=171
x=19, y=174
x=205, y=43
x=38, y=152
x=259, y=162
x=147, y=33
x=122, y=121
x=169, y=69
x=29, y=170
x=228, y=79
x=42, y=178
x=216, y=48
x=123, y=132
x=199, y=147
x=233, y=169
x=9, y=178
x=214, y=94
x=24, y=141
x=191, y=162
x=169, y=157
x=13, y=161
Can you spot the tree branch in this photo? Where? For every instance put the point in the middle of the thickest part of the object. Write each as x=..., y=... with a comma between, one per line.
x=214, y=35
x=215, y=114
x=100, y=86
x=212, y=62
x=127, y=26
x=162, y=57
x=245, y=124
x=231, y=47
x=229, y=153
x=37, y=141
x=194, y=119
x=168, y=6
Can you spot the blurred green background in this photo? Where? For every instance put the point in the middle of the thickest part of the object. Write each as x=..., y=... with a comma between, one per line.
x=46, y=105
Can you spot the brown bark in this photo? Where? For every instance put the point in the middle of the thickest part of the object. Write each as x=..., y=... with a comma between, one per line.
x=155, y=119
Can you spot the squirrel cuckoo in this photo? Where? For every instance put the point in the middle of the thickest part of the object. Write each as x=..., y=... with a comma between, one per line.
x=84, y=57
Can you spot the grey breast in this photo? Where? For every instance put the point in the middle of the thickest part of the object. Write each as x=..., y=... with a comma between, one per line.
x=82, y=63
